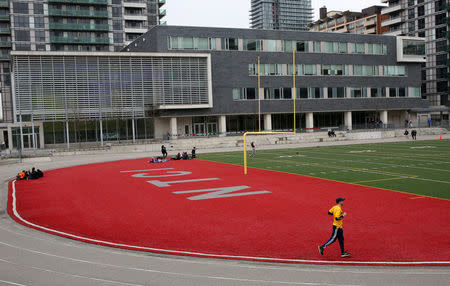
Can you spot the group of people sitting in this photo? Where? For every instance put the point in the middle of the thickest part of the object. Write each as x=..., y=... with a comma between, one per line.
x=184, y=156
x=331, y=133
x=27, y=175
x=179, y=156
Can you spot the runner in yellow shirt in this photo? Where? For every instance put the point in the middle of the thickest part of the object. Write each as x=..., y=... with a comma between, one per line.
x=338, y=232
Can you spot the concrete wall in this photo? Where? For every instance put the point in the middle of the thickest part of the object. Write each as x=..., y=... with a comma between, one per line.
x=162, y=126
x=226, y=143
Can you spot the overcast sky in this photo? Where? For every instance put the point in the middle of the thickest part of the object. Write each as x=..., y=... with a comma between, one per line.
x=235, y=13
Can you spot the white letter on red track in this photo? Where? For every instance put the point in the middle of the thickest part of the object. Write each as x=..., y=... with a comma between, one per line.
x=174, y=174
x=167, y=184
x=218, y=193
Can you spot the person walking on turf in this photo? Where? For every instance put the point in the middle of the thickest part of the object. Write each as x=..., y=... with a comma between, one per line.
x=253, y=149
x=338, y=232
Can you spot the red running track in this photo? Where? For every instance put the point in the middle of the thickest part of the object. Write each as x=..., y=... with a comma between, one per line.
x=101, y=204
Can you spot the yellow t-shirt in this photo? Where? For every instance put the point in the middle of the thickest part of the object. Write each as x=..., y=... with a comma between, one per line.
x=337, y=213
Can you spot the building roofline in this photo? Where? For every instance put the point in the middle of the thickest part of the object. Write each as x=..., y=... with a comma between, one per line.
x=107, y=54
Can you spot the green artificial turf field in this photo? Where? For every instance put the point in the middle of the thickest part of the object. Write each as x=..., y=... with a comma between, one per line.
x=420, y=167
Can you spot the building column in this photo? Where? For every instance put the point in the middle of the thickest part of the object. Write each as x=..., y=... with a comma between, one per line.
x=384, y=116
x=267, y=122
x=10, y=138
x=133, y=130
x=101, y=132
x=67, y=134
x=173, y=127
x=310, y=121
x=348, y=120
x=41, y=135
x=222, y=125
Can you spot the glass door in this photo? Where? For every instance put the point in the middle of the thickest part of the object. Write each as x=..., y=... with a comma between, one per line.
x=212, y=128
x=199, y=129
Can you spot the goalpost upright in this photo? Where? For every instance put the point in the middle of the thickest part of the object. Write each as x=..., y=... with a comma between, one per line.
x=294, y=94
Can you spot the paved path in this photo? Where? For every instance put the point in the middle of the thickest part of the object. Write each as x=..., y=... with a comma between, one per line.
x=29, y=257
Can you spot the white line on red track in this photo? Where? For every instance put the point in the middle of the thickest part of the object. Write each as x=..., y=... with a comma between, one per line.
x=208, y=255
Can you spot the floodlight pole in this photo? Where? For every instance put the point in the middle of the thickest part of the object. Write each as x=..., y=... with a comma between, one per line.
x=259, y=94
x=294, y=91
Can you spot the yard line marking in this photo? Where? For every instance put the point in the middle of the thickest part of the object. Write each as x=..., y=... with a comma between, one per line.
x=208, y=255
x=380, y=180
x=372, y=162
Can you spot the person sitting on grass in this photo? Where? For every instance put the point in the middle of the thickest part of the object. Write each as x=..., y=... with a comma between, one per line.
x=177, y=158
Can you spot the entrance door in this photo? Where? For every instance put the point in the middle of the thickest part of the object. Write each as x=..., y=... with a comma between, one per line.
x=199, y=129
x=211, y=128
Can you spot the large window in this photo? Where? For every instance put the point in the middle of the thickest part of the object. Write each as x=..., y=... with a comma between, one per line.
x=253, y=45
x=229, y=44
x=357, y=92
x=277, y=93
x=375, y=49
x=271, y=46
x=394, y=70
x=317, y=47
x=246, y=93
x=413, y=48
x=316, y=92
x=378, y=92
x=364, y=70
x=334, y=70
x=416, y=92
x=271, y=69
x=358, y=48
x=301, y=92
x=298, y=46
x=310, y=69
x=331, y=47
x=190, y=43
x=336, y=92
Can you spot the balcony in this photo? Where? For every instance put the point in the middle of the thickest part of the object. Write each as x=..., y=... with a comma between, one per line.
x=163, y=23
x=78, y=13
x=78, y=27
x=87, y=2
x=161, y=2
x=4, y=18
x=79, y=40
x=448, y=34
x=391, y=21
x=135, y=17
x=4, y=4
x=447, y=48
x=135, y=4
x=162, y=13
x=5, y=44
x=4, y=57
x=448, y=62
x=5, y=31
x=447, y=6
x=371, y=31
x=391, y=9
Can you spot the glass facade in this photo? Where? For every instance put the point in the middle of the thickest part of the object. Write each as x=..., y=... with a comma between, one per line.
x=281, y=14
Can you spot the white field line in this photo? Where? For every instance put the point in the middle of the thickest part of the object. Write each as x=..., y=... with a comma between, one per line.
x=200, y=254
x=365, y=162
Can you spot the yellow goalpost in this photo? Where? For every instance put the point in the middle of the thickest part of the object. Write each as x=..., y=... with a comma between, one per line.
x=259, y=111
